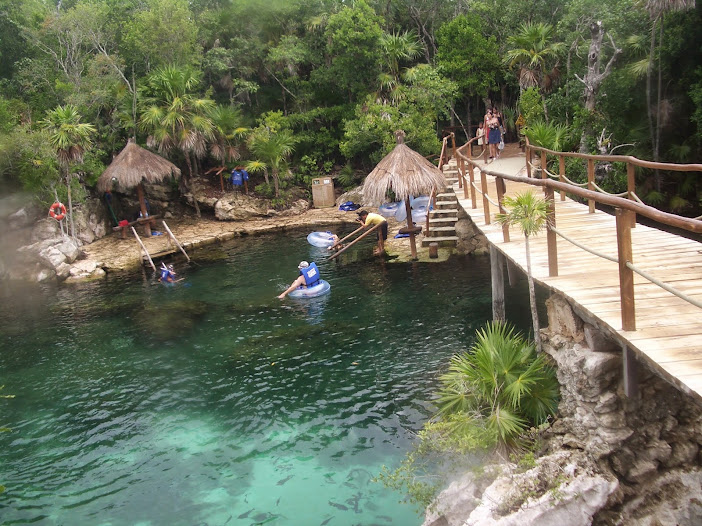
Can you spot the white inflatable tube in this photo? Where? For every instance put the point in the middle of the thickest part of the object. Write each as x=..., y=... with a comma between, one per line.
x=320, y=289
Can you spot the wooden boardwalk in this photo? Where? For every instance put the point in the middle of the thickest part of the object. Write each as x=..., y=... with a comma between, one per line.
x=669, y=330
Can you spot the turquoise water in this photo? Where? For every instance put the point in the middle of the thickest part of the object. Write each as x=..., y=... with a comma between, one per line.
x=211, y=402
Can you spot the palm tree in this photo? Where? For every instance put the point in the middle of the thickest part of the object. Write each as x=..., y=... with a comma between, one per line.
x=502, y=384
x=532, y=51
x=226, y=132
x=396, y=48
x=530, y=214
x=272, y=149
x=175, y=117
x=70, y=138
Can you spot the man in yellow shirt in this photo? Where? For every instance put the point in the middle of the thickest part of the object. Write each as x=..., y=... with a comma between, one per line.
x=373, y=219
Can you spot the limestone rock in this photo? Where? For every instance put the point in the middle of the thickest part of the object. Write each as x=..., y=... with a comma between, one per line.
x=562, y=320
x=85, y=269
x=239, y=207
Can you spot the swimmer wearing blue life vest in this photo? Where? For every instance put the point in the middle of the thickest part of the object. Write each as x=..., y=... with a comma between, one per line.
x=168, y=274
x=309, y=277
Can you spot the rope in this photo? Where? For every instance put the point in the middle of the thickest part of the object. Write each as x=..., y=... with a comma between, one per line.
x=622, y=194
x=638, y=199
x=633, y=268
x=662, y=285
x=579, y=245
x=493, y=203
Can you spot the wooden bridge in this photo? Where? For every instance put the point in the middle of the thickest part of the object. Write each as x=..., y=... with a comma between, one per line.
x=640, y=284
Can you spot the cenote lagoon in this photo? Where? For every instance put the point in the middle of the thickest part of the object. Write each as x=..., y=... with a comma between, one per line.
x=213, y=402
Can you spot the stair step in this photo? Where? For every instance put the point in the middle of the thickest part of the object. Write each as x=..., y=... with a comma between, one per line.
x=441, y=231
x=446, y=241
x=448, y=221
x=443, y=212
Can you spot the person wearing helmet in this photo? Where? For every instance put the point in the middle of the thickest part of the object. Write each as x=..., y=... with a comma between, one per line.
x=309, y=277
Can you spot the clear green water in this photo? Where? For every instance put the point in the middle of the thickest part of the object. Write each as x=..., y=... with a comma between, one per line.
x=212, y=402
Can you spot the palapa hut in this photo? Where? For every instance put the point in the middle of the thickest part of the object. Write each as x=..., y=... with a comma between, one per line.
x=133, y=166
x=408, y=175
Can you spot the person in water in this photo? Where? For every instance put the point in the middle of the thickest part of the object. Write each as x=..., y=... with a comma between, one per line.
x=335, y=243
x=372, y=219
x=168, y=274
x=309, y=277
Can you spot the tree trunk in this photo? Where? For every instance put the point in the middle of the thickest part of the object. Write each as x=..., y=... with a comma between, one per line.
x=190, y=185
x=70, y=203
x=657, y=143
x=275, y=182
x=649, y=107
x=532, y=298
x=593, y=78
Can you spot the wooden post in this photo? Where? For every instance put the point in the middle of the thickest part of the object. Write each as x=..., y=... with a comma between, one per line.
x=221, y=179
x=471, y=174
x=175, y=240
x=551, y=239
x=498, y=284
x=144, y=248
x=453, y=149
x=630, y=372
x=528, y=161
x=631, y=187
x=433, y=250
x=346, y=237
x=561, y=174
x=590, y=183
x=484, y=190
x=372, y=229
x=461, y=171
x=142, y=207
x=512, y=273
x=410, y=224
x=544, y=166
x=626, y=275
x=500, y=185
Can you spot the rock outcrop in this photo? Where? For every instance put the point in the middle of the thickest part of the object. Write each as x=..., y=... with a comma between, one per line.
x=607, y=459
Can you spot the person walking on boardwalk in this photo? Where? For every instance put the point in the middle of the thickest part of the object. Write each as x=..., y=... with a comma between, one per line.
x=372, y=219
x=494, y=135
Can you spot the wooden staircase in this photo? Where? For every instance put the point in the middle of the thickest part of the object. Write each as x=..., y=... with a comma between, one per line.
x=443, y=218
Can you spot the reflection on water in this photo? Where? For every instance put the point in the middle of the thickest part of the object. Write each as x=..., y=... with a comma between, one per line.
x=213, y=402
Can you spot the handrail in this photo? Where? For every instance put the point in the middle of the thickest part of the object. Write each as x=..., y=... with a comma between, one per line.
x=373, y=228
x=175, y=240
x=625, y=208
x=346, y=237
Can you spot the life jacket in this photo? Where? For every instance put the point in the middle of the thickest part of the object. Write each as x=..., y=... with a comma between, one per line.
x=311, y=275
x=166, y=275
x=237, y=178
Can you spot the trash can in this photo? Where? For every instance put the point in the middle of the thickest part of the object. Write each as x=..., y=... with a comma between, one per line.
x=323, y=192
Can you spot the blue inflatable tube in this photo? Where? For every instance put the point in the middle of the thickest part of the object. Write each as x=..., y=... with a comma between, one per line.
x=422, y=200
x=320, y=289
x=320, y=239
x=389, y=209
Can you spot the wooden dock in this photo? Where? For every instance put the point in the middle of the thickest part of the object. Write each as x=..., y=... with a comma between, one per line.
x=668, y=335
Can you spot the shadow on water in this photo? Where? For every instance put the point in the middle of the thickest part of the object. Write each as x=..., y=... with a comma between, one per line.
x=214, y=402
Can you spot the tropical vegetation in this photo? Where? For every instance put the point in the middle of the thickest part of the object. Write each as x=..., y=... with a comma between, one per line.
x=490, y=398
x=197, y=81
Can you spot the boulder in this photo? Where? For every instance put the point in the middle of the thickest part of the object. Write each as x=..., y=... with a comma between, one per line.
x=240, y=207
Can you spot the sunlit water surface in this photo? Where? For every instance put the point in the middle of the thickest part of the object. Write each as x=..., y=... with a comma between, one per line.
x=212, y=402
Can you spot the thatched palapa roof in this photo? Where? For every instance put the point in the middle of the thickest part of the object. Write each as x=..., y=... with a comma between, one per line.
x=405, y=172
x=133, y=166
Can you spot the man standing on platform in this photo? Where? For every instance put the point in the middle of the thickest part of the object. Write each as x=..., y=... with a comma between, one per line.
x=372, y=219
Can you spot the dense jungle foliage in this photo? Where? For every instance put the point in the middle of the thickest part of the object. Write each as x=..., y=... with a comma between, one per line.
x=294, y=89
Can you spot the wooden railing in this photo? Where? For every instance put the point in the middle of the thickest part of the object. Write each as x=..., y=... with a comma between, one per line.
x=625, y=211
